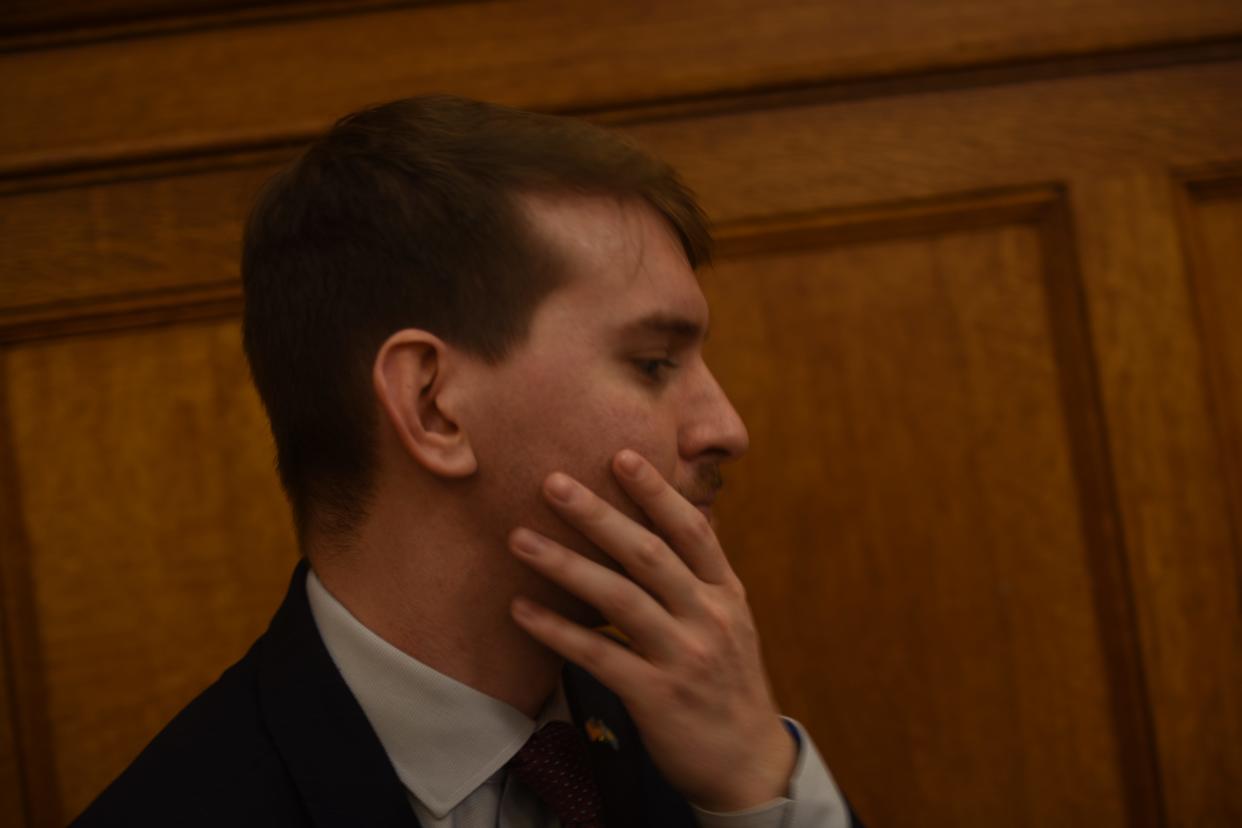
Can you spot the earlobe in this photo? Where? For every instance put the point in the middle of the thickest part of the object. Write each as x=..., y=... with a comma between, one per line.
x=414, y=380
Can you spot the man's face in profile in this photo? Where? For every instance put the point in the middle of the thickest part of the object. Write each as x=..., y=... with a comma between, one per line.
x=613, y=360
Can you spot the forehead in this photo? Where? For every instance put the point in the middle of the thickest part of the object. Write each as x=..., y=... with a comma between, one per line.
x=621, y=259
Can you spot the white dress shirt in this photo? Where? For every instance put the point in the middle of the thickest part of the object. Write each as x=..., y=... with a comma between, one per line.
x=449, y=743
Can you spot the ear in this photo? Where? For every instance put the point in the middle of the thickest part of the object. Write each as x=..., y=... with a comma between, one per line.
x=417, y=392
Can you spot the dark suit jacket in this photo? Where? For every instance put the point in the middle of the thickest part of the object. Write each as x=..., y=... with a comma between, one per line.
x=279, y=740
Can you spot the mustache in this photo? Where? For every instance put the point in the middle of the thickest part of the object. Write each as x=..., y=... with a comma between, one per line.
x=707, y=481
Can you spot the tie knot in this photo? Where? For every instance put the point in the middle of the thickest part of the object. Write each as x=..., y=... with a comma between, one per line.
x=553, y=763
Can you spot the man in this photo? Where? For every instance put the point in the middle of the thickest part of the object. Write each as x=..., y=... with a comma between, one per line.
x=477, y=333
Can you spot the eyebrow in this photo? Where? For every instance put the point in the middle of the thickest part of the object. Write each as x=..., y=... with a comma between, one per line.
x=669, y=324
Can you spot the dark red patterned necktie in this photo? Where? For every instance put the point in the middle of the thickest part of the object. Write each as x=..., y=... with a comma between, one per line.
x=553, y=764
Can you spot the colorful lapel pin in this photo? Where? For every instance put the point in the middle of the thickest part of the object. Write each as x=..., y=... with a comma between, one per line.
x=597, y=731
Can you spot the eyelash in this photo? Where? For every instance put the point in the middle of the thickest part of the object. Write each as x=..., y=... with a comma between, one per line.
x=654, y=369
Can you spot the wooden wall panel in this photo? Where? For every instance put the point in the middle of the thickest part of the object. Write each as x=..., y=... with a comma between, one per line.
x=910, y=519
x=1171, y=477
x=159, y=542
x=996, y=434
x=1186, y=115
x=1207, y=723
x=263, y=82
x=790, y=159
x=1212, y=214
x=1115, y=140
x=135, y=231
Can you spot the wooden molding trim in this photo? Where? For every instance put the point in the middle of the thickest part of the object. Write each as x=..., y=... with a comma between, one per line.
x=799, y=232
x=1109, y=562
x=113, y=313
x=65, y=112
x=224, y=299
x=1221, y=182
x=1214, y=181
x=174, y=162
x=829, y=90
x=82, y=30
x=100, y=164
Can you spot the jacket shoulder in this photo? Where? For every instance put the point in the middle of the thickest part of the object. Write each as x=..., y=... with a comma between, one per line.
x=214, y=764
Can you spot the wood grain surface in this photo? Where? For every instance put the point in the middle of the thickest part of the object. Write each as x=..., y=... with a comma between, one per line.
x=884, y=150
x=125, y=236
x=159, y=542
x=975, y=299
x=909, y=523
x=1168, y=463
x=1204, y=717
x=252, y=83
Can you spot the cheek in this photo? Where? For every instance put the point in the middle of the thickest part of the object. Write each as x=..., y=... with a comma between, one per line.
x=557, y=421
x=620, y=422
x=628, y=417
x=581, y=420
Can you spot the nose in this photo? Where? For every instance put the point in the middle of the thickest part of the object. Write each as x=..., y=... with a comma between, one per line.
x=712, y=425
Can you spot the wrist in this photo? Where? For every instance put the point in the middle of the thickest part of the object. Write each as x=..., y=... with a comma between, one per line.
x=764, y=777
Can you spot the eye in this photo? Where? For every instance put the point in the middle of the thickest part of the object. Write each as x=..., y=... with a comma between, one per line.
x=655, y=369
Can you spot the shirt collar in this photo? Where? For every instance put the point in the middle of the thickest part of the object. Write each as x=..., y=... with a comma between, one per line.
x=444, y=738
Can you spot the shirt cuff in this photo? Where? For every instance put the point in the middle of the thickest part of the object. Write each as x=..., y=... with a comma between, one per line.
x=813, y=801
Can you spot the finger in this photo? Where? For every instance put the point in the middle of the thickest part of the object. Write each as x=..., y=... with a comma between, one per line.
x=626, y=605
x=644, y=555
x=621, y=670
x=687, y=529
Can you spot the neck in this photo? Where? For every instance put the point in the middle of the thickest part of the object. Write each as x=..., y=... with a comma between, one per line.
x=443, y=598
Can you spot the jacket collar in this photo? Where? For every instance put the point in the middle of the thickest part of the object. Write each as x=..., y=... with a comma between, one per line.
x=343, y=774
x=334, y=757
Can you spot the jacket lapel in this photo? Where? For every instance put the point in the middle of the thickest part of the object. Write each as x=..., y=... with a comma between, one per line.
x=334, y=757
x=340, y=768
x=633, y=791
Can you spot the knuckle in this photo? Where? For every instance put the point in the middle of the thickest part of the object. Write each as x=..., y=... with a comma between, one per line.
x=663, y=691
x=700, y=529
x=701, y=595
x=649, y=552
x=685, y=693
x=593, y=652
x=621, y=602
x=719, y=619
x=699, y=660
x=679, y=688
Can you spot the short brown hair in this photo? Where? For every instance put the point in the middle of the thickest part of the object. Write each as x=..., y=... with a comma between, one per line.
x=404, y=216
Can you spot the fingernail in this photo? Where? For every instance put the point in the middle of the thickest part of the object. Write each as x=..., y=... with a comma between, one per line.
x=629, y=462
x=524, y=542
x=522, y=609
x=560, y=487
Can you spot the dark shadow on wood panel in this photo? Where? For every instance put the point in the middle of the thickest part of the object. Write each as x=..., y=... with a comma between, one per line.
x=23, y=668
